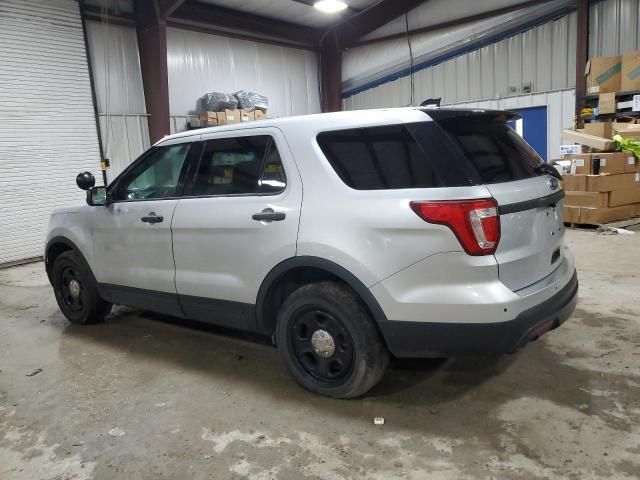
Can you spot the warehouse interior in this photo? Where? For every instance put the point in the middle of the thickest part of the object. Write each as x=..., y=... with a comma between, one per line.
x=91, y=85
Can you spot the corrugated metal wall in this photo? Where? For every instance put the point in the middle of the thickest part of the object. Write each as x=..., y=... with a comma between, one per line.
x=199, y=63
x=119, y=92
x=613, y=27
x=560, y=111
x=542, y=58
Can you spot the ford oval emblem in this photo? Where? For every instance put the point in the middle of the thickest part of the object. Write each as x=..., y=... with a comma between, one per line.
x=553, y=183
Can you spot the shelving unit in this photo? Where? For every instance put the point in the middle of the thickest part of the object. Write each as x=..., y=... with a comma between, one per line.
x=591, y=101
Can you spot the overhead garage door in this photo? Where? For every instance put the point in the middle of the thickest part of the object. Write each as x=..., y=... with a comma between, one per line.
x=47, y=124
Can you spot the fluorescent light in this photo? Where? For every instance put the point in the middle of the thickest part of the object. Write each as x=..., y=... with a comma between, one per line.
x=330, y=6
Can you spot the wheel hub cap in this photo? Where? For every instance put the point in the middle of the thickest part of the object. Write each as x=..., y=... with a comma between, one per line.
x=74, y=288
x=323, y=343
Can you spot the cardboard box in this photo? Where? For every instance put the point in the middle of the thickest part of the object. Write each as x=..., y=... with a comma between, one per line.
x=587, y=199
x=632, y=164
x=232, y=116
x=580, y=163
x=247, y=116
x=611, y=163
x=571, y=214
x=575, y=183
x=627, y=130
x=627, y=196
x=606, y=103
x=208, y=119
x=595, y=216
x=630, y=78
x=599, y=129
x=608, y=183
x=604, y=74
x=260, y=115
x=597, y=143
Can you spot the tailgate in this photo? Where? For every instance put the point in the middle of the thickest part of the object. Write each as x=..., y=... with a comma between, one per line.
x=529, y=197
x=532, y=229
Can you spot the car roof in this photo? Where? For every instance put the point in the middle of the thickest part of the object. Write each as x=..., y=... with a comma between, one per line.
x=334, y=120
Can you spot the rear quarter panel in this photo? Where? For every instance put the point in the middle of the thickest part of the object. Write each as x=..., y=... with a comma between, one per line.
x=373, y=234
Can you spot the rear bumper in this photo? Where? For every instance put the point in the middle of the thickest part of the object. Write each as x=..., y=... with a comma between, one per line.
x=440, y=339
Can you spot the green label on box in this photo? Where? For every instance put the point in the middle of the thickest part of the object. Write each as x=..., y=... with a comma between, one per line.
x=633, y=74
x=607, y=74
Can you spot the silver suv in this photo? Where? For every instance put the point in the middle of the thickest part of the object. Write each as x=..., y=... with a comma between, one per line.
x=347, y=237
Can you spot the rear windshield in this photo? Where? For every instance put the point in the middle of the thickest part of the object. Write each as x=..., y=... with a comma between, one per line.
x=447, y=152
x=495, y=150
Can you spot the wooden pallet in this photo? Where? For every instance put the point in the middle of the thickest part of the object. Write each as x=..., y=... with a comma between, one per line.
x=614, y=224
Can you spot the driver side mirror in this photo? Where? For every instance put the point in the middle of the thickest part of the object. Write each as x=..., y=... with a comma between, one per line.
x=97, y=196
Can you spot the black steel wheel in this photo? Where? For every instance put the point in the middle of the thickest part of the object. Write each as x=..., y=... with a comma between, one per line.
x=323, y=346
x=75, y=290
x=329, y=341
x=71, y=288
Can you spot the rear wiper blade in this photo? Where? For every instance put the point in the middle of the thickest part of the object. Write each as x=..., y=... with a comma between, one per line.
x=548, y=169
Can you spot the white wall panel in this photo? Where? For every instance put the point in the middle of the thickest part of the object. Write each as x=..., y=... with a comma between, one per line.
x=613, y=26
x=117, y=79
x=475, y=75
x=515, y=56
x=487, y=66
x=462, y=77
x=199, y=63
x=116, y=68
x=125, y=137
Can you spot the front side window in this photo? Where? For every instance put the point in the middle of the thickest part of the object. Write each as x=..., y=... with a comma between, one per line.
x=240, y=165
x=157, y=176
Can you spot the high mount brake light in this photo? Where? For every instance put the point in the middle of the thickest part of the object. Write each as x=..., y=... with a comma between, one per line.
x=476, y=223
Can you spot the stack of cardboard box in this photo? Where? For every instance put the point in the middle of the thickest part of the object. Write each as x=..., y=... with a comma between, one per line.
x=613, y=74
x=602, y=184
x=602, y=187
x=229, y=117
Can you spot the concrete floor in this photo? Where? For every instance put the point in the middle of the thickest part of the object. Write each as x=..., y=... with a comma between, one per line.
x=142, y=397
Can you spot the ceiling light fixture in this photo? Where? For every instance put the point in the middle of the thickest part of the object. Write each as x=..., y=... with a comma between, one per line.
x=330, y=6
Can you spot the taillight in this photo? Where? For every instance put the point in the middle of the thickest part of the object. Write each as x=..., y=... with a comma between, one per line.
x=476, y=223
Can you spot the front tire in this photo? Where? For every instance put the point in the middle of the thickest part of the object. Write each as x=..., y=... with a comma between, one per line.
x=76, y=291
x=329, y=342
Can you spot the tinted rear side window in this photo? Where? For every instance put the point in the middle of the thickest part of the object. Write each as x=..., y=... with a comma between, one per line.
x=496, y=151
x=378, y=158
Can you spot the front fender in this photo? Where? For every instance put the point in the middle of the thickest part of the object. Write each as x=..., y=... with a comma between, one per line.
x=67, y=229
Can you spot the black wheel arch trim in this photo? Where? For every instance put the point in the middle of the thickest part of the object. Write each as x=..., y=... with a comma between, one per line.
x=320, y=263
x=68, y=243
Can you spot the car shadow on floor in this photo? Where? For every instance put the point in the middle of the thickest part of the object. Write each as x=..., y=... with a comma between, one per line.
x=238, y=356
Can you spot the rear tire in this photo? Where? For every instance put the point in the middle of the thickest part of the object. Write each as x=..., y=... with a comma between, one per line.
x=76, y=291
x=329, y=341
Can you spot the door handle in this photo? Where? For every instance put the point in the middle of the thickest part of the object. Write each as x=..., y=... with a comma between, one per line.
x=268, y=215
x=152, y=218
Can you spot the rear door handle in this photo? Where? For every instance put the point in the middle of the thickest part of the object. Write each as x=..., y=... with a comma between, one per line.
x=268, y=215
x=152, y=218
